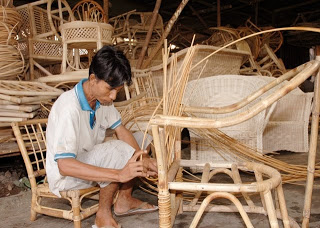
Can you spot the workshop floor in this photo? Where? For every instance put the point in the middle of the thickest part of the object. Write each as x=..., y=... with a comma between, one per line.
x=15, y=210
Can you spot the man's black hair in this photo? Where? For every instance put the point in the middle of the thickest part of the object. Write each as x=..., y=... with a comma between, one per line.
x=111, y=66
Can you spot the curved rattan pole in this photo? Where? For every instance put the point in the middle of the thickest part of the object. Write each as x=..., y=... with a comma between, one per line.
x=60, y=9
x=312, y=151
x=265, y=185
x=191, y=122
x=251, y=97
x=230, y=208
x=225, y=195
x=220, y=170
x=310, y=29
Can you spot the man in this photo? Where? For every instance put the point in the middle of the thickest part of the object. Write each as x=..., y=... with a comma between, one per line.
x=78, y=158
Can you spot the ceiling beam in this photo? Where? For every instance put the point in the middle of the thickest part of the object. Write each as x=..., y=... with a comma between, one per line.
x=294, y=6
x=213, y=9
x=198, y=16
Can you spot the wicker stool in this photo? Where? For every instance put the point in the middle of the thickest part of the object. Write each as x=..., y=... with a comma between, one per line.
x=83, y=35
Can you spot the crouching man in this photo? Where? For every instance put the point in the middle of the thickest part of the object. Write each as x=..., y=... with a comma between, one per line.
x=78, y=157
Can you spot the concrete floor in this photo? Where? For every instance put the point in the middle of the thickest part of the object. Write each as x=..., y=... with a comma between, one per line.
x=15, y=210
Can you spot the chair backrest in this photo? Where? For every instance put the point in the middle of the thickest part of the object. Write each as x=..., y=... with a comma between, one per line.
x=35, y=21
x=88, y=10
x=31, y=139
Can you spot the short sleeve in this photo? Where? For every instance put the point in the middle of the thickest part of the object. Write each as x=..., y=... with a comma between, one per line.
x=65, y=138
x=113, y=117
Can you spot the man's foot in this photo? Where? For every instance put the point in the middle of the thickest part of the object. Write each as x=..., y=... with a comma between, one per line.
x=130, y=206
x=103, y=220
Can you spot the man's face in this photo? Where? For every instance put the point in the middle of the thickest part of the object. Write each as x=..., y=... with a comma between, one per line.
x=104, y=93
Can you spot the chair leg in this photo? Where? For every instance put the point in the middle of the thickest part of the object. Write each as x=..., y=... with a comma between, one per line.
x=271, y=210
x=76, y=212
x=33, y=215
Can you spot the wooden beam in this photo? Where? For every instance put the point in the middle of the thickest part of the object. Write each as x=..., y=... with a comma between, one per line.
x=214, y=9
x=167, y=30
x=218, y=13
x=149, y=34
x=294, y=6
x=106, y=9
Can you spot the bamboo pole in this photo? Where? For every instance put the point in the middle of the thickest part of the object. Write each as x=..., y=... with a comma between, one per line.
x=166, y=32
x=248, y=99
x=312, y=151
x=149, y=34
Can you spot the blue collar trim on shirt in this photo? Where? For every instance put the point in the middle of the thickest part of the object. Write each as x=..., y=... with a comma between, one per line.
x=84, y=103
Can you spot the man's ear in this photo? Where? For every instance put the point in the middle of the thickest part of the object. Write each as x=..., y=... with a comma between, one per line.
x=92, y=77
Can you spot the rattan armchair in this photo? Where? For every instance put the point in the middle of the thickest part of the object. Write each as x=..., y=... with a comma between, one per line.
x=31, y=139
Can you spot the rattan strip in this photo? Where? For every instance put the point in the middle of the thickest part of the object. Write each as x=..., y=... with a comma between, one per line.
x=11, y=61
x=27, y=88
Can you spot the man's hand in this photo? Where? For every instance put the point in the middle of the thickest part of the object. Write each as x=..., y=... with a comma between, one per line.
x=133, y=169
x=150, y=166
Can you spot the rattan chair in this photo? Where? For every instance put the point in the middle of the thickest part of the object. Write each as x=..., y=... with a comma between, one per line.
x=224, y=90
x=37, y=41
x=31, y=139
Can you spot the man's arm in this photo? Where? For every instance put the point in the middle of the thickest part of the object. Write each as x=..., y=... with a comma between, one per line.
x=125, y=135
x=74, y=168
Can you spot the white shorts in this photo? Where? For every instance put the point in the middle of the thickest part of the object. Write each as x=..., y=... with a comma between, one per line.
x=113, y=154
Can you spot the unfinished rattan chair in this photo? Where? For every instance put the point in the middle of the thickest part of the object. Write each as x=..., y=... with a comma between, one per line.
x=171, y=184
x=31, y=139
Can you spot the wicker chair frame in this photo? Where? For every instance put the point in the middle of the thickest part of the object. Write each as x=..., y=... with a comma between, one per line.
x=166, y=131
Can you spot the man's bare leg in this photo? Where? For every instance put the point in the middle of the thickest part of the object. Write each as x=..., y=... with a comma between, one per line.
x=125, y=201
x=104, y=214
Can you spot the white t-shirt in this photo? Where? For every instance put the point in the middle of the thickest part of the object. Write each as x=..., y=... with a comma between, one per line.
x=72, y=130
